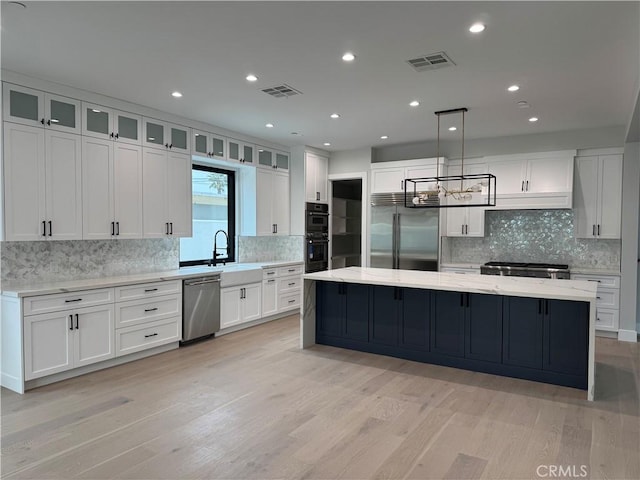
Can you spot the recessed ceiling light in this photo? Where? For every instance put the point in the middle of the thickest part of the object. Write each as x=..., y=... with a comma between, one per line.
x=533, y=119
x=326, y=144
x=476, y=28
x=452, y=129
x=348, y=57
x=384, y=137
x=269, y=125
x=523, y=104
x=415, y=103
x=176, y=94
x=335, y=115
x=513, y=88
x=251, y=78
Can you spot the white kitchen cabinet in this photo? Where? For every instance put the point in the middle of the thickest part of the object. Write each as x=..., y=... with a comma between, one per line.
x=166, y=136
x=42, y=182
x=59, y=341
x=389, y=177
x=387, y=180
x=111, y=189
x=110, y=124
x=607, y=300
x=272, y=202
x=241, y=151
x=167, y=199
x=281, y=289
x=208, y=144
x=270, y=158
x=240, y=304
x=465, y=221
x=316, y=178
x=269, y=297
x=36, y=108
x=598, y=196
x=533, y=181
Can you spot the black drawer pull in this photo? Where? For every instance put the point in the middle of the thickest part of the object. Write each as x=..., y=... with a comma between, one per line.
x=292, y=301
x=271, y=273
x=151, y=309
x=291, y=270
x=147, y=290
x=598, y=298
x=292, y=284
x=152, y=335
x=270, y=281
x=74, y=300
x=70, y=322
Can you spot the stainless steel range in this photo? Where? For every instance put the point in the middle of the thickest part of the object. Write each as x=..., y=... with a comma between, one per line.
x=536, y=270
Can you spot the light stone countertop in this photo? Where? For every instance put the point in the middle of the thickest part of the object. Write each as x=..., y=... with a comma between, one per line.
x=575, y=290
x=46, y=288
x=580, y=270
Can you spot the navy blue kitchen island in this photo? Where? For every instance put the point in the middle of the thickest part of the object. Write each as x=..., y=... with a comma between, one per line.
x=536, y=329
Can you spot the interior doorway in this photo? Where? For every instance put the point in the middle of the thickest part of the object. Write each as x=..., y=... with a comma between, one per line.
x=346, y=231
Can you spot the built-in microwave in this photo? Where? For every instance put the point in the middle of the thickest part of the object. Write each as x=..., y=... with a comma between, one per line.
x=317, y=218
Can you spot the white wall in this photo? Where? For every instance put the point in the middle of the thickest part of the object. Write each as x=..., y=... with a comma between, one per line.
x=350, y=161
x=629, y=260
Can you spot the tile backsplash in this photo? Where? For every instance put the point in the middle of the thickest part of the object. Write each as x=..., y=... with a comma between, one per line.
x=541, y=236
x=72, y=260
x=265, y=249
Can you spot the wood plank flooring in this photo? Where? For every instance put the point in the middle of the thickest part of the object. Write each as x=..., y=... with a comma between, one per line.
x=252, y=405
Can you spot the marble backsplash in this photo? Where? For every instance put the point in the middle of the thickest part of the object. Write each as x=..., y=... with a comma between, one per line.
x=541, y=236
x=71, y=260
x=266, y=249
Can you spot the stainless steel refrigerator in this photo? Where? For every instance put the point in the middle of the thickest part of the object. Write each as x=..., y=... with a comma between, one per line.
x=403, y=238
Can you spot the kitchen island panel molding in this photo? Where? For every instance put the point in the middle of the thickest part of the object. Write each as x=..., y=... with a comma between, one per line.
x=561, y=306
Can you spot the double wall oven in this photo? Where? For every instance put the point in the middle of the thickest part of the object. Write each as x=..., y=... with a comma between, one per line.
x=316, y=256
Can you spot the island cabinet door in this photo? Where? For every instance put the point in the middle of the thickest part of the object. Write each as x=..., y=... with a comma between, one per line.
x=330, y=308
x=483, y=327
x=356, y=317
x=414, y=318
x=566, y=337
x=447, y=323
x=522, y=327
x=384, y=315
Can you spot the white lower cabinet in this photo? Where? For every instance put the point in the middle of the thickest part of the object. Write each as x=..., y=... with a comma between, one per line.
x=147, y=335
x=59, y=341
x=607, y=300
x=240, y=304
x=269, y=297
x=281, y=289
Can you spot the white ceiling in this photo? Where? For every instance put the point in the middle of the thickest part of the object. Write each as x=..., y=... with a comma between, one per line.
x=577, y=63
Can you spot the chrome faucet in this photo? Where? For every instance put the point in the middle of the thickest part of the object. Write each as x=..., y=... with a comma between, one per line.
x=214, y=259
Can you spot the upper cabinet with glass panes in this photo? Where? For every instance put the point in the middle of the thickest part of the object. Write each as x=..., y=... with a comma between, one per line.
x=269, y=158
x=110, y=124
x=241, y=152
x=206, y=144
x=34, y=107
x=159, y=134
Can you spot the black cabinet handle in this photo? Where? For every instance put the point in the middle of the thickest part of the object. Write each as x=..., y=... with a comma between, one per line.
x=527, y=186
x=395, y=293
x=70, y=322
x=112, y=135
x=42, y=121
x=171, y=225
x=598, y=298
x=276, y=228
x=539, y=307
x=73, y=301
x=546, y=307
x=44, y=228
x=167, y=226
x=270, y=281
x=152, y=335
x=292, y=284
x=598, y=229
x=522, y=187
x=292, y=301
x=166, y=145
x=317, y=195
x=49, y=122
x=77, y=321
x=291, y=270
x=461, y=229
x=117, y=136
x=117, y=228
x=113, y=228
x=593, y=230
x=50, y=228
x=171, y=145
x=467, y=295
x=150, y=290
x=462, y=299
x=400, y=293
x=151, y=309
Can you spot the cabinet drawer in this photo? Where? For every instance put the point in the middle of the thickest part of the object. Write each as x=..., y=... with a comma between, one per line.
x=607, y=281
x=269, y=273
x=147, y=290
x=148, y=310
x=148, y=335
x=289, y=301
x=608, y=298
x=64, y=301
x=289, y=284
x=607, y=319
x=290, y=270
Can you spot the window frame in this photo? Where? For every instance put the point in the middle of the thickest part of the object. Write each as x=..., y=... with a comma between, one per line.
x=231, y=215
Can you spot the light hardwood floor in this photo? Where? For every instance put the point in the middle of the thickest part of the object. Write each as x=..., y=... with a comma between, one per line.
x=252, y=405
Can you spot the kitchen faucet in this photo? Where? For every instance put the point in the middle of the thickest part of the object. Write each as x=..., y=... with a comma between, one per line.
x=214, y=259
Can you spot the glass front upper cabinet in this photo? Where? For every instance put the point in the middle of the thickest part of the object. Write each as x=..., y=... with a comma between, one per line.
x=37, y=108
x=106, y=123
x=282, y=161
x=265, y=157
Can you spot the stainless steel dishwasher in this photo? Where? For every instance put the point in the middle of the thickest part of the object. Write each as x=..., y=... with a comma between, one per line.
x=200, y=307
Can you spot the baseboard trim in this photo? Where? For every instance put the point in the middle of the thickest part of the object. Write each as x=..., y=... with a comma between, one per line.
x=628, y=336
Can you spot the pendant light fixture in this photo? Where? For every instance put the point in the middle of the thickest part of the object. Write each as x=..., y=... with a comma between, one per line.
x=464, y=190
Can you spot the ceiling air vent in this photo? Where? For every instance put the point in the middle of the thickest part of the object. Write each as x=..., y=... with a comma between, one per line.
x=431, y=61
x=282, y=91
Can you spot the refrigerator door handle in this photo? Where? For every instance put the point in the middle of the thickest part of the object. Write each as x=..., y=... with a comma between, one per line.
x=398, y=240
x=393, y=241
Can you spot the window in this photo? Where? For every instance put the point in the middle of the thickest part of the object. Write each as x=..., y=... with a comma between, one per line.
x=213, y=210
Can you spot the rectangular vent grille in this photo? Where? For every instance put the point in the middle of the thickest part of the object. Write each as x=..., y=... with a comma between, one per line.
x=282, y=91
x=431, y=61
